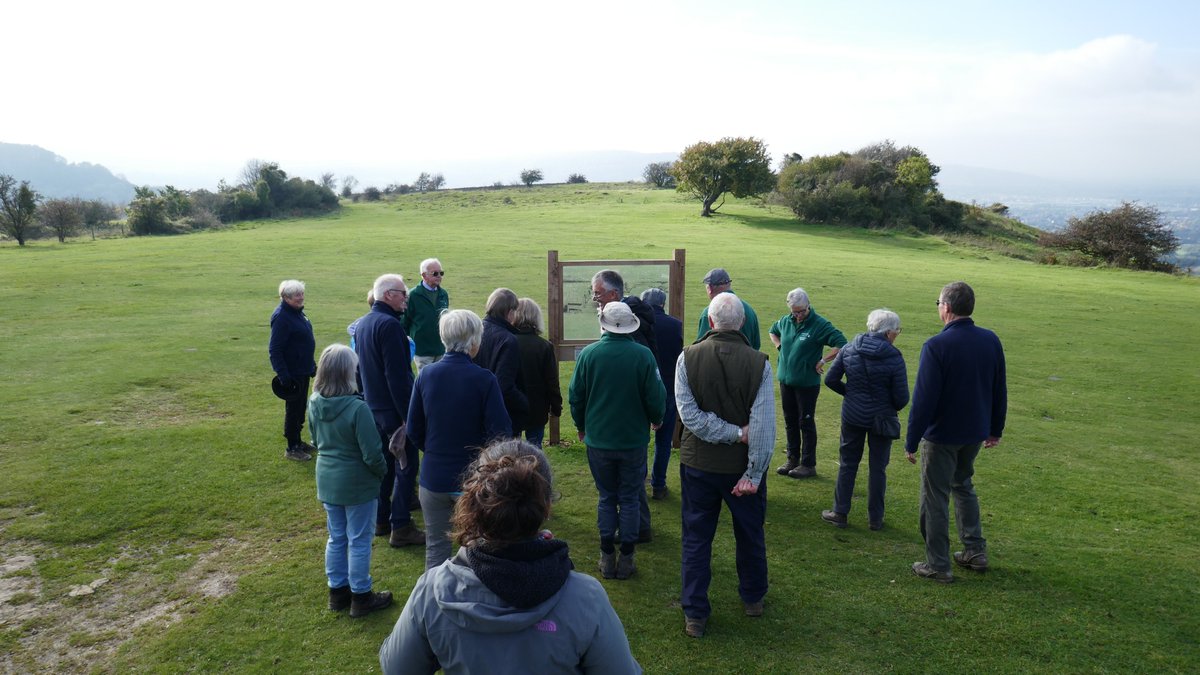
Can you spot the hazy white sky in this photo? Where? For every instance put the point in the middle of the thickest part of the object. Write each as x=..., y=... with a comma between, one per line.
x=186, y=92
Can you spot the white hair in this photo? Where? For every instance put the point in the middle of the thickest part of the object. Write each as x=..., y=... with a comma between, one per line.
x=428, y=262
x=798, y=298
x=290, y=288
x=385, y=283
x=726, y=312
x=882, y=321
x=461, y=330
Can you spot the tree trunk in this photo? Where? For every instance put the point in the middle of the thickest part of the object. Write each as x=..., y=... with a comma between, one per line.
x=706, y=211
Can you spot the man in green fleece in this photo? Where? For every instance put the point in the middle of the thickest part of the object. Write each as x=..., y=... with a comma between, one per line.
x=426, y=302
x=615, y=394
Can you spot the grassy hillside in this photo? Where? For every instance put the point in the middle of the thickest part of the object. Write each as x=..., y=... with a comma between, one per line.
x=141, y=444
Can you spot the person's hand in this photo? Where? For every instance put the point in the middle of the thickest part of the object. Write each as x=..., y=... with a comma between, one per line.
x=655, y=427
x=744, y=434
x=744, y=487
x=911, y=456
x=991, y=442
x=819, y=367
x=579, y=434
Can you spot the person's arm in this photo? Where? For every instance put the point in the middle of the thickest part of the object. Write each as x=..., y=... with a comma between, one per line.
x=369, y=443
x=608, y=653
x=924, y=400
x=900, y=386
x=280, y=332
x=654, y=394
x=708, y=426
x=833, y=378
x=416, y=416
x=750, y=328
x=761, y=434
x=999, y=399
x=407, y=649
x=508, y=369
x=774, y=334
x=553, y=389
x=702, y=327
x=397, y=368
x=577, y=395
x=496, y=422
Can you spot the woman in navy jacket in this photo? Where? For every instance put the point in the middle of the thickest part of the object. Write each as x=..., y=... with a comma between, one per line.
x=456, y=409
x=291, y=348
x=876, y=386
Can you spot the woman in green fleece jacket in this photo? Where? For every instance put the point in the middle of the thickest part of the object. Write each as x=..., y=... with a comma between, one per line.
x=350, y=466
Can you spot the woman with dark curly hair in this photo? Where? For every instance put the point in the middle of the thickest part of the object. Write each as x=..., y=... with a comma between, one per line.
x=509, y=601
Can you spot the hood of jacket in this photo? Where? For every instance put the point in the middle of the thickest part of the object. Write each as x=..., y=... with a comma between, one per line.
x=472, y=592
x=873, y=346
x=328, y=409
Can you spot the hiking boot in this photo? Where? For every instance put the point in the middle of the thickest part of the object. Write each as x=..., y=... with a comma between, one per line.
x=626, y=566
x=803, y=472
x=754, y=609
x=787, y=468
x=659, y=493
x=308, y=447
x=972, y=560
x=296, y=453
x=694, y=627
x=383, y=529
x=362, y=604
x=923, y=570
x=834, y=518
x=608, y=565
x=876, y=524
x=408, y=535
x=339, y=598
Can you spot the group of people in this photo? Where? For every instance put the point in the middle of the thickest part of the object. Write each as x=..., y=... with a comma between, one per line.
x=635, y=383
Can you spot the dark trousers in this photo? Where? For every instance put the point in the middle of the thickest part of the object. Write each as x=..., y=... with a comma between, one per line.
x=851, y=452
x=701, y=494
x=293, y=414
x=799, y=405
x=946, y=470
x=620, y=476
x=662, y=445
x=396, y=489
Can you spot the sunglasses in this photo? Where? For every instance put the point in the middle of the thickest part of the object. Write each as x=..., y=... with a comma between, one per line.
x=435, y=274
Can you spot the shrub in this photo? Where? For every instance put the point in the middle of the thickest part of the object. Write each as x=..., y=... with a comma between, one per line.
x=372, y=194
x=577, y=178
x=1132, y=235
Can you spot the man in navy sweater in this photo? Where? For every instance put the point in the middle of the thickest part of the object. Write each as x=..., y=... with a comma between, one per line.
x=959, y=403
x=387, y=383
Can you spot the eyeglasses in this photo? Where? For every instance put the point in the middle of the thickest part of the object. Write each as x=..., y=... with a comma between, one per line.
x=435, y=274
x=401, y=291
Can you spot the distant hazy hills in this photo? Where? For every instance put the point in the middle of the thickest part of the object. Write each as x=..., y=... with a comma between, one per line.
x=53, y=177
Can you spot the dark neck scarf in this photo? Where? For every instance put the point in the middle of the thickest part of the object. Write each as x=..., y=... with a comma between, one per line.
x=524, y=574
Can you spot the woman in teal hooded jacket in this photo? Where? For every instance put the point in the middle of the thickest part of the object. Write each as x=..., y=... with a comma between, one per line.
x=350, y=466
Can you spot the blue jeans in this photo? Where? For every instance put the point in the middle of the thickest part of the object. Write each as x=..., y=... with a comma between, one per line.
x=701, y=494
x=620, y=477
x=946, y=470
x=851, y=452
x=662, y=446
x=535, y=435
x=348, y=550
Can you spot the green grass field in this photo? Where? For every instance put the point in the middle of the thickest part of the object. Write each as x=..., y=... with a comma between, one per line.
x=140, y=444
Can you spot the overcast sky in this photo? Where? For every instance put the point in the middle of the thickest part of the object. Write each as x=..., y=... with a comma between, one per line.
x=186, y=92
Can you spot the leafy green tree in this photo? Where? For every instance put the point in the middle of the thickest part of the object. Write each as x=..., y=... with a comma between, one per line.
x=372, y=194
x=436, y=181
x=739, y=166
x=1132, y=235
x=97, y=213
x=348, y=185
x=148, y=213
x=61, y=217
x=577, y=178
x=659, y=175
x=18, y=206
x=531, y=176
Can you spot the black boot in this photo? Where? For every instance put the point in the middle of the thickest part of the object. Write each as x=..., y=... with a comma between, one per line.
x=362, y=604
x=339, y=598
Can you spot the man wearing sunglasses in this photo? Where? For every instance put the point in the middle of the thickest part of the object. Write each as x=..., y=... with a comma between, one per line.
x=426, y=302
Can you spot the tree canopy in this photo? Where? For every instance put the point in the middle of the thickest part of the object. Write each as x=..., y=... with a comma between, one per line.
x=531, y=176
x=739, y=166
x=18, y=205
x=1132, y=235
